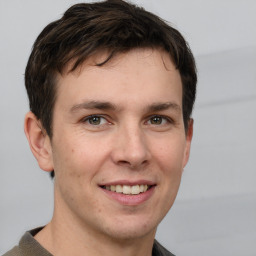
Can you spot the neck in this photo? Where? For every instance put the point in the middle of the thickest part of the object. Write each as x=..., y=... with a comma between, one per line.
x=65, y=241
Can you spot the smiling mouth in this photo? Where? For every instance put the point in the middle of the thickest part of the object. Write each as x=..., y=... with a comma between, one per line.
x=128, y=190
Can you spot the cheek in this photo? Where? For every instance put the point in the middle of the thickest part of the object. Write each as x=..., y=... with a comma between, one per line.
x=170, y=155
x=80, y=159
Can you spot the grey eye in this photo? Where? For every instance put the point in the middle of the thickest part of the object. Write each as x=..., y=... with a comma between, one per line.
x=156, y=120
x=96, y=120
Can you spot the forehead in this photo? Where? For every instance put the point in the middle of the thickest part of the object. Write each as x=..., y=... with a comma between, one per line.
x=105, y=60
x=142, y=74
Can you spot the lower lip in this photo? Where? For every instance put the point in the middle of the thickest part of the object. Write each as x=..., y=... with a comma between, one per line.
x=130, y=199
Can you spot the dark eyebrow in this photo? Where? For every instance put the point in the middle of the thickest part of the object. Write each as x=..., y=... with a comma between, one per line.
x=93, y=105
x=163, y=106
x=109, y=106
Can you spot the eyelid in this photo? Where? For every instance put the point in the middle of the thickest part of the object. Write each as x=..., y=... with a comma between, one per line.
x=85, y=119
x=167, y=118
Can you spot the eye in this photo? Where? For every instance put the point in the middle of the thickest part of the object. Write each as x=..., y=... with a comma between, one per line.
x=158, y=120
x=95, y=120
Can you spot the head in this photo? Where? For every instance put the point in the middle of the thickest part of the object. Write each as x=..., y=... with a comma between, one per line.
x=111, y=89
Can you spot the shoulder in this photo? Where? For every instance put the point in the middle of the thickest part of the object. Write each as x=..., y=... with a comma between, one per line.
x=28, y=246
x=13, y=252
x=159, y=250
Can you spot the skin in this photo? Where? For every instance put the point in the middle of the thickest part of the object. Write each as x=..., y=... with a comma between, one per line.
x=136, y=135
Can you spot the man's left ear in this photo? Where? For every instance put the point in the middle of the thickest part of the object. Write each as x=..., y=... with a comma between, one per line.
x=39, y=142
x=189, y=135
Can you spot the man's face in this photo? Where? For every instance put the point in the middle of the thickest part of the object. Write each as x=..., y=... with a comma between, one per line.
x=119, y=127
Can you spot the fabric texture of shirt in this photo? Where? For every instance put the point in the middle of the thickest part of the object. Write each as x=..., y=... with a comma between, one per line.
x=28, y=246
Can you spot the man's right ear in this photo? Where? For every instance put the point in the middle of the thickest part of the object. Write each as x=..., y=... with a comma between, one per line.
x=39, y=142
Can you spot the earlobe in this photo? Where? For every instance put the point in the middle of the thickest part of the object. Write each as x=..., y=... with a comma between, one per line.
x=189, y=136
x=39, y=142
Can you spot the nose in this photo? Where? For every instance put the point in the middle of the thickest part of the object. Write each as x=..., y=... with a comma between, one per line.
x=131, y=148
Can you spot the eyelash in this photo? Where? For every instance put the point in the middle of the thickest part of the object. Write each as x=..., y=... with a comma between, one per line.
x=165, y=119
x=88, y=118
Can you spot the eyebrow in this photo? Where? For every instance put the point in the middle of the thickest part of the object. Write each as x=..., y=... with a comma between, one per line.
x=155, y=107
x=93, y=105
x=163, y=106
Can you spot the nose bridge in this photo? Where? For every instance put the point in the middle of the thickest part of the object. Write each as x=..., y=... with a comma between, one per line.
x=131, y=145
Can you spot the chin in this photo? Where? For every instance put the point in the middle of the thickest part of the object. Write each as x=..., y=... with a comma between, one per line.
x=130, y=229
x=131, y=234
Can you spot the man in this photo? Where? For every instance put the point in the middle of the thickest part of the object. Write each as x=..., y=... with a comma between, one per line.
x=111, y=90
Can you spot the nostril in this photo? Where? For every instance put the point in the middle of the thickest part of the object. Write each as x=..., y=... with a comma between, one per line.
x=144, y=162
x=126, y=163
x=132, y=165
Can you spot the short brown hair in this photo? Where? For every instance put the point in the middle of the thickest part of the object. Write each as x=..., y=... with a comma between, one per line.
x=114, y=26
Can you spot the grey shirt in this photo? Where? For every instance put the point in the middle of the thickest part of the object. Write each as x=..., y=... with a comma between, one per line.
x=28, y=246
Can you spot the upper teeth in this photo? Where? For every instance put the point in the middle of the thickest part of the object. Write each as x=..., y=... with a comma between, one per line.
x=128, y=190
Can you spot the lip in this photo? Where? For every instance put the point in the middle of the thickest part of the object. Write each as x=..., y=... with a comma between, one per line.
x=129, y=183
x=129, y=200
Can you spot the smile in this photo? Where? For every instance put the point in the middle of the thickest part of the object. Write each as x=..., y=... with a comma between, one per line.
x=127, y=190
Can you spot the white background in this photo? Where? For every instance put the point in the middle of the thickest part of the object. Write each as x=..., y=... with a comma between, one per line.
x=215, y=211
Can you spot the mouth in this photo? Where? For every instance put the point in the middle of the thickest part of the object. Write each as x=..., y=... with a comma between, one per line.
x=129, y=193
x=127, y=189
